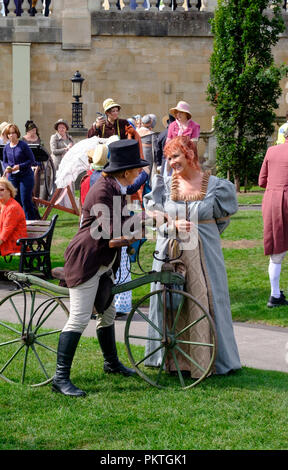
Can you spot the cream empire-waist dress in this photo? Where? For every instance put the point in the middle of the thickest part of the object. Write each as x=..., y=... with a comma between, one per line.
x=206, y=277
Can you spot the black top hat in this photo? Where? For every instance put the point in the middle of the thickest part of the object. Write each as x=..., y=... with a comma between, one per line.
x=124, y=155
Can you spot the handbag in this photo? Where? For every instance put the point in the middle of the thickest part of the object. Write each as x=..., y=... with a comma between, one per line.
x=104, y=296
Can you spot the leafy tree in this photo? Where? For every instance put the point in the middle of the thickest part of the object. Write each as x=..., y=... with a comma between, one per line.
x=244, y=83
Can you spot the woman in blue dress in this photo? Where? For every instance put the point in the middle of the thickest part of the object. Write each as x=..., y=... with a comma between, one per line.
x=18, y=160
x=195, y=200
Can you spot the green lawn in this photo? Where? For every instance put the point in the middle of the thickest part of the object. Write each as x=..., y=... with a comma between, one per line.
x=254, y=196
x=247, y=410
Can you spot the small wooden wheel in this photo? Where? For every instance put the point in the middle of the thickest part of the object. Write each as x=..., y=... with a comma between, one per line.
x=28, y=341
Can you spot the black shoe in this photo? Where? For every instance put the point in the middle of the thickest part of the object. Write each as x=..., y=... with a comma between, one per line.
x=67, y=388
x=118, y=368
x=112, y=365
x=61, y=383
x=32, y=11
x=120, y=314
x=277, y=302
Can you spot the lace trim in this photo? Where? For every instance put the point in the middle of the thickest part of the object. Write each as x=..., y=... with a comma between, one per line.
x=198, y=196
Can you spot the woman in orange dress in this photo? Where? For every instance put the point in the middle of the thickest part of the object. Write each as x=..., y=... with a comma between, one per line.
x=12, y=219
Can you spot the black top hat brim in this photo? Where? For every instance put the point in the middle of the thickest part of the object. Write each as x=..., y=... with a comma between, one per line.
x=111, y=168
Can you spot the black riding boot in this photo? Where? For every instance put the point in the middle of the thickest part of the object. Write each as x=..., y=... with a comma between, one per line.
x=61, y=383
x=112, y=365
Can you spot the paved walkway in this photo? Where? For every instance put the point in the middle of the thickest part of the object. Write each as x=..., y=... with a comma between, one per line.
x=260, y=346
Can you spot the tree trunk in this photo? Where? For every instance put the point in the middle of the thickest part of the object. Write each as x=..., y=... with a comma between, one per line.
x=237, y=183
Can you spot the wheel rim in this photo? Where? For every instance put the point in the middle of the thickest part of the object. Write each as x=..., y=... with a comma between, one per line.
x=49, y=177
x=28, y=341
x=170, y=346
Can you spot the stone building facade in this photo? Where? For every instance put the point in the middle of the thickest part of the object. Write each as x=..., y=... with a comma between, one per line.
x=146, y=60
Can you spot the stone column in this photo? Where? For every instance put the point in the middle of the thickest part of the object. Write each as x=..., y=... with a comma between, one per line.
x=57, y=8
x=76, y=25
x=208, y=5
x=21, y=84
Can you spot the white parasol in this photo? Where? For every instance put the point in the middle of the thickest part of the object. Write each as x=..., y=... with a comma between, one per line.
x=75, y=161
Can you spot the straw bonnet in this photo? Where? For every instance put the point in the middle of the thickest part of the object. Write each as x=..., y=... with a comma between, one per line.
x=99, y=155
x=124, y=155
x=110, y=103
x=167, y=119
x=61, y=121
x=2, y=126
x=183, y=107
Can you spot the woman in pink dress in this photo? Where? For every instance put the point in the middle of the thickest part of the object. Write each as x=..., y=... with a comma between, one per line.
x=183, y=125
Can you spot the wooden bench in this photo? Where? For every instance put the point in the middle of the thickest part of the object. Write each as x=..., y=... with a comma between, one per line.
x=35, y=249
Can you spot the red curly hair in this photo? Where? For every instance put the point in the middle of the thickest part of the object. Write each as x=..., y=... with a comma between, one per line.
x=185, y=146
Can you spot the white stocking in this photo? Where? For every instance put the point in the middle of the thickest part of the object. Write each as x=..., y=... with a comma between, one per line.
x=274, y=271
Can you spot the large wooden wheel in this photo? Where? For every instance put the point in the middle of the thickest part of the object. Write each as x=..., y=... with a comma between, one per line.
x=176, y=341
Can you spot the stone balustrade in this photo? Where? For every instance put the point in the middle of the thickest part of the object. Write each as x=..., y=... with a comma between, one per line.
x=43, y=8
x=54, y=8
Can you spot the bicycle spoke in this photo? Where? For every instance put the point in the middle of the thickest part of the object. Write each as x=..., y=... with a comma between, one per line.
x=46, y=347
x=179, y=309
x=190, y=326
x=178, y=368
x=10, y=328
x=148, y=355
x=144, y=337
x=48, y=333
x=24, y=365
x=149, y=321
x=11, y=341
x=11, y=358
x=161, y=366
x=195, y=343
x=33, y=294
x=189, y=358
x=16, y=310
x=40, y=362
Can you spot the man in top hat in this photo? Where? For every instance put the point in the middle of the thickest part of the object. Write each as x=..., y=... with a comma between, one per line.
x=89, y=256
x=111, y=124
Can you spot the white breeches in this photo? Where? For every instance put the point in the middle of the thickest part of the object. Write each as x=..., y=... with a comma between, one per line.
x=82, y=300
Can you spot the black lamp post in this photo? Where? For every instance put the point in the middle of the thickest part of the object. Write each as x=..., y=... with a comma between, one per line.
x=77, y=82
